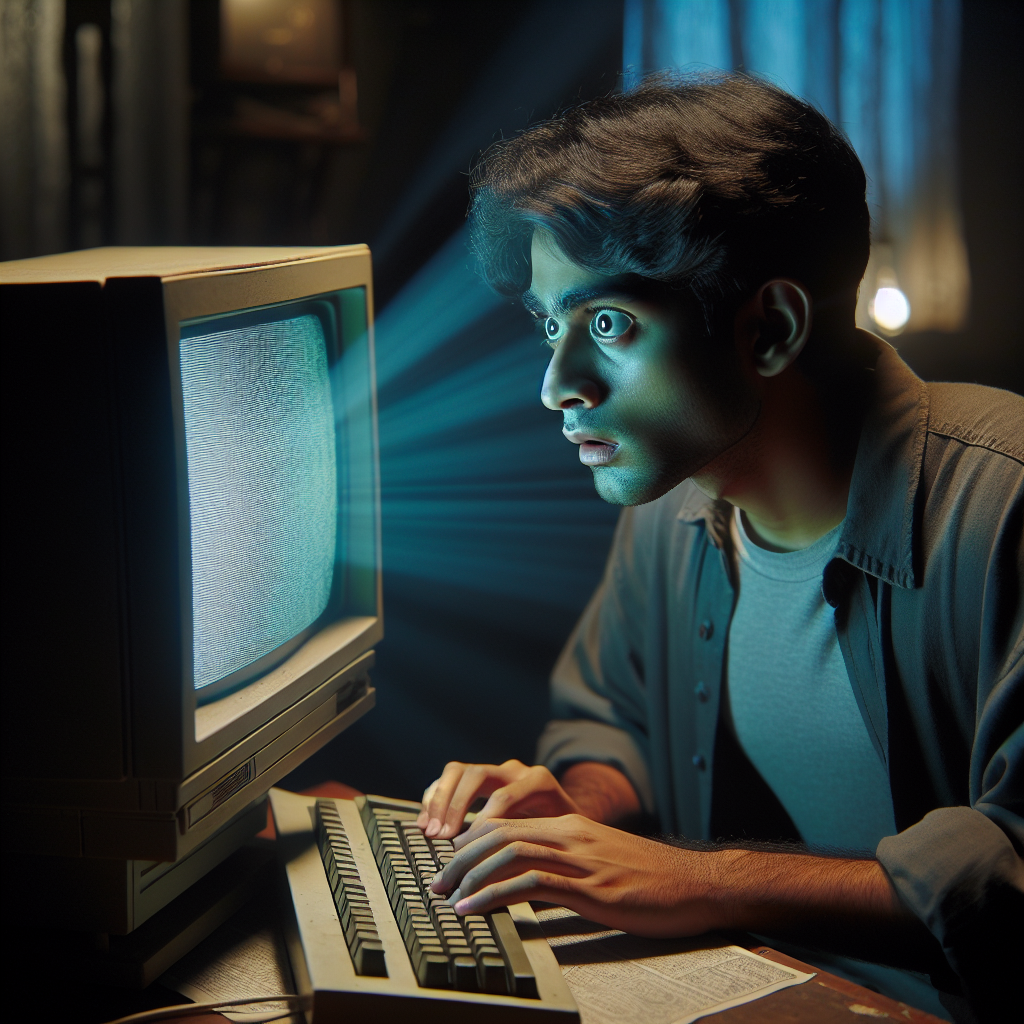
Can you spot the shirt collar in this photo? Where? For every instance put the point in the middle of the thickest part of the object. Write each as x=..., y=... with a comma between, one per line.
x=878, y=534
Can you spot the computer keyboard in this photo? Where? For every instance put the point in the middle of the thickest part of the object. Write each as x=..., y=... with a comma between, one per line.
x=367, y=935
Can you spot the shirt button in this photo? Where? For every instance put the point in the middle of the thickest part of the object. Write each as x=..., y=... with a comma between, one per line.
x=699, y=763
x=701, y=691
x=707, y=627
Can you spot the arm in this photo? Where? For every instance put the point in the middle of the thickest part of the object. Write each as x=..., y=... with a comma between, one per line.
x=650, y=888
x=601, y=792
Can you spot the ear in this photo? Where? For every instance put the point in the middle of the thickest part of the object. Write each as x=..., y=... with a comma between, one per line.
x=773, y=325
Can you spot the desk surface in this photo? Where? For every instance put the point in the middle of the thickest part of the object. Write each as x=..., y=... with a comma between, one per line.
x=825, y=999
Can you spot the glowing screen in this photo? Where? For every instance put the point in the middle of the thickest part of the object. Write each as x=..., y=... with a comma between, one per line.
x=262, y=479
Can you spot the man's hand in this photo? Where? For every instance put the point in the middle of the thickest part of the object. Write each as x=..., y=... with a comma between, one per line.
x=607, y=875
x=650, y=888
x=514, y=790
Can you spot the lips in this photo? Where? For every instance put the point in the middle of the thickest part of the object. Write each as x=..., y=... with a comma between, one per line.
x=594, y=451
x=597, y=453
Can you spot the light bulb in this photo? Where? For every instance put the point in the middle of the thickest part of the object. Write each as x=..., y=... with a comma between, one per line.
x=890, y=309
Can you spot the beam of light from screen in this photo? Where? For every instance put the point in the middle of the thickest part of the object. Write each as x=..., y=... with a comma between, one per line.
x=442, y=299
x=476, y=490
x=493, y=536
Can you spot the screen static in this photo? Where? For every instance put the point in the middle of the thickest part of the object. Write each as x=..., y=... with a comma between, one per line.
x=262, y=477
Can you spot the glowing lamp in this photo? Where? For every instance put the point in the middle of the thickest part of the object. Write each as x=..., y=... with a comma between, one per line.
x=890, y=309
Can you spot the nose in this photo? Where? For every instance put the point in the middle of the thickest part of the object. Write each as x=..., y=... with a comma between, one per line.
x=569, y=380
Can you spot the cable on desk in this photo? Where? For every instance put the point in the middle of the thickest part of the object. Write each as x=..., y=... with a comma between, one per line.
x=164, y=1012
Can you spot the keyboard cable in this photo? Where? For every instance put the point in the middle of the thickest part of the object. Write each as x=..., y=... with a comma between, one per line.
x=295, y=1003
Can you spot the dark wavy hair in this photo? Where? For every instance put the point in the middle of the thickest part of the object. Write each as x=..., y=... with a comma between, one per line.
x=711, y=184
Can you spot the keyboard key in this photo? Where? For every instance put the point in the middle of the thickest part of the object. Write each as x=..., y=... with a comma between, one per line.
x=465, y=974
x=369, y=959
x=520, y=972
x=433, y=971
x=492, y=974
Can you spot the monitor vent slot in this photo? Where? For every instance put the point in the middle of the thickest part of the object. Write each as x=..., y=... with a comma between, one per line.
x=223, y=791
x=230, y=785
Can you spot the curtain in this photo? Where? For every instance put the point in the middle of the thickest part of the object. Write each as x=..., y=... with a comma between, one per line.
x=33, y=129
x=38, y=141
x=885, y=71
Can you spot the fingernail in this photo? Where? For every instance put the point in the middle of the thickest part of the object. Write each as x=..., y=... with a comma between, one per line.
x=446, y=830
x=434, y=881
x=433, y=827
x=457, y=895
x=464, y=907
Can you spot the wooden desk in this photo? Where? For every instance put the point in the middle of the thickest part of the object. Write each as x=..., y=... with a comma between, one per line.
x=825, y=999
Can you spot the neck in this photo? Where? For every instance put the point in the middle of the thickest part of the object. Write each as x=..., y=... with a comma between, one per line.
x=791, y=473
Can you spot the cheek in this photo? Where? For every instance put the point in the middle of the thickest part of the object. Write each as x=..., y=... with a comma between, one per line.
x=662, y=399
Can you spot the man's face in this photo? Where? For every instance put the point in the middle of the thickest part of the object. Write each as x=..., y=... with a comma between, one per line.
x=647, y=396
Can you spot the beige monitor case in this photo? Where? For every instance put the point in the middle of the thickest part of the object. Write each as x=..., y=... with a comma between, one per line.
x=108, y=751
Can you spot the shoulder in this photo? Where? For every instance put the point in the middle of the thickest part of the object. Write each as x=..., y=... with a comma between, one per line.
x=978, y=417
x=973, y=465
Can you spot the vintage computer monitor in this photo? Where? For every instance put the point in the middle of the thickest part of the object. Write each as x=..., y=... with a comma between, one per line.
x=191, y=558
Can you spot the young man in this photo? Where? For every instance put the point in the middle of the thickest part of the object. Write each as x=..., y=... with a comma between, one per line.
x=810, y=627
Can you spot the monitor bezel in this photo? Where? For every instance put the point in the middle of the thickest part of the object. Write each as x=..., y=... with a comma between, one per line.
x=187, y=297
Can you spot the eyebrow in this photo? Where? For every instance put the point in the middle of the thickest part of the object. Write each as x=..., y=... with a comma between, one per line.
x=573, y=298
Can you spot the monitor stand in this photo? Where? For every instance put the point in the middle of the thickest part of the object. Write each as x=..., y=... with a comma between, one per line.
x=139, y=958
x=125, y=922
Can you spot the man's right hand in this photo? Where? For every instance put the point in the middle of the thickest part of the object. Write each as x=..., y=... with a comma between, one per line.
x=515, y=790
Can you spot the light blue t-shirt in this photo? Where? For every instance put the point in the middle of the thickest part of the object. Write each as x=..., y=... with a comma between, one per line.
x=791, y=703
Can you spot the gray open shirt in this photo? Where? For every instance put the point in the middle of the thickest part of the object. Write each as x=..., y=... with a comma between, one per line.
x=927, y=586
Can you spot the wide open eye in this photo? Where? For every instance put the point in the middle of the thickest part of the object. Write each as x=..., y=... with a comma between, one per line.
x=551, y=328
x=610, y=324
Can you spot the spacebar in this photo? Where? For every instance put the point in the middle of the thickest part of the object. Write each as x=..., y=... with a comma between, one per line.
x=520, y=972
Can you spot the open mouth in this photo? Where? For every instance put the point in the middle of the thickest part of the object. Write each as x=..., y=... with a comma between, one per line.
x=596, y=453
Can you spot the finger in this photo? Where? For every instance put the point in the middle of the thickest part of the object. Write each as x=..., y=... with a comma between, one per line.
x=423, y=817
x=531, y=885
x=477, y=780
x=495, y=834
x=437, y=806
x=516, y=859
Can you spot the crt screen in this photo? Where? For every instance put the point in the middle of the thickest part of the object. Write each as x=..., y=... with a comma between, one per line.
x=262, y=478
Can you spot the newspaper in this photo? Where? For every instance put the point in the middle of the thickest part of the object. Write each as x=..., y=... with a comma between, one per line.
x=244, y=957
x=622, y=979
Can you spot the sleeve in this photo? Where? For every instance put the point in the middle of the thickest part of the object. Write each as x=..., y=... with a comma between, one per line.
x=959, y=868
x=597, y=694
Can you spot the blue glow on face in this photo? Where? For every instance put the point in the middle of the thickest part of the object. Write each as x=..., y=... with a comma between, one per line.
x=260, y=442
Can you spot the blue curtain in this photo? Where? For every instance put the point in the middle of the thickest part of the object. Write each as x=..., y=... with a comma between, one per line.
x=885, y=71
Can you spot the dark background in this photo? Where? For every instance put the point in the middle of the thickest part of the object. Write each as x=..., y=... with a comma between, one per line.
x=462, y=670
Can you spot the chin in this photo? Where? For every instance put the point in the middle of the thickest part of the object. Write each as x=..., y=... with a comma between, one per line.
x=620, y=486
